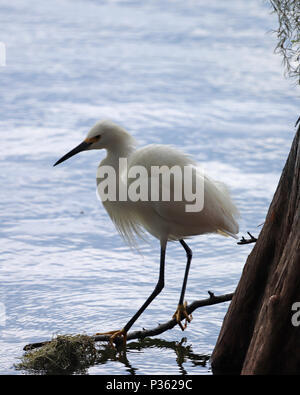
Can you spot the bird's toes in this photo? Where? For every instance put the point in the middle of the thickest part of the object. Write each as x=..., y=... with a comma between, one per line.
x=114, y=335
x=120, y=333
x=182, y=314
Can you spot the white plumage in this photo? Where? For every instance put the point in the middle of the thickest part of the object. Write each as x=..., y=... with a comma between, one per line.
x=165, y=220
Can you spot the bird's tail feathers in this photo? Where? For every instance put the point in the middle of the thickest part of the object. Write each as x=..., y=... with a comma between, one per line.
x=226, y=233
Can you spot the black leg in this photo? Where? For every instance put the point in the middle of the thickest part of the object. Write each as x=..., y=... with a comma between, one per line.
x=189, y=259
x=159, y=286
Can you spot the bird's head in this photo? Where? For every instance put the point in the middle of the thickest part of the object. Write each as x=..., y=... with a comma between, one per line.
x=103, y=135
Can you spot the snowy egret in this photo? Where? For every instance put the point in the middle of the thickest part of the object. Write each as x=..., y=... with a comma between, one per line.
x=166, y=220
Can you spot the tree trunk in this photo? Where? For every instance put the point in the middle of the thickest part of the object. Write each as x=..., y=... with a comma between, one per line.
x=258, y=335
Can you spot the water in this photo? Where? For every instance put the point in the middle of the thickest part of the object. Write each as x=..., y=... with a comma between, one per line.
x=199, y=75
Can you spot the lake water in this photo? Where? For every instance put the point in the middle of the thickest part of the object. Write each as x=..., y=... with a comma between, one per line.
x=199, y=75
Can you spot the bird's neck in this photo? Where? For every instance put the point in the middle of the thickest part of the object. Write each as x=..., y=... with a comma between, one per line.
x=113, y=156
x=118, y=160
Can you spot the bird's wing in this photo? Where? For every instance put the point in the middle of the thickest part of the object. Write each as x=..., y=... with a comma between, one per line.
x=215, y=211
x=218, y=212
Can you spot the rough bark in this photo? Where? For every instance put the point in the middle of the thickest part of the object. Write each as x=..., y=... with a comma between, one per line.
x=257, y=336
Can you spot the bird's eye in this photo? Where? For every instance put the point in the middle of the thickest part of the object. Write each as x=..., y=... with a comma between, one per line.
x=93, y=139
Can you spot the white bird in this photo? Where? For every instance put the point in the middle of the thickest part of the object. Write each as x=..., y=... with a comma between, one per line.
x=166, y=220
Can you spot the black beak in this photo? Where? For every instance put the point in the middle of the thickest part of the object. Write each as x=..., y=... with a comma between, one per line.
x=81, y=147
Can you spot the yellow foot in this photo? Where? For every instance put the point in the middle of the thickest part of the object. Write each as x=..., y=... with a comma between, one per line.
x=114, y=335
x=180, y=314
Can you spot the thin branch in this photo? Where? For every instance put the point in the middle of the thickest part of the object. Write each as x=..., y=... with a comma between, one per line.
x=157, y=330
x=248, y=241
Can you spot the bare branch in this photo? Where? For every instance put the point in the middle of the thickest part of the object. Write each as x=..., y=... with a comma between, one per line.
x=248, y=241
x=157, y=330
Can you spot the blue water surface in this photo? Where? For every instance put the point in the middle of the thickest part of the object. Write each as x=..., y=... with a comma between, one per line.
x=199, y=75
